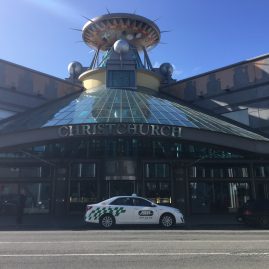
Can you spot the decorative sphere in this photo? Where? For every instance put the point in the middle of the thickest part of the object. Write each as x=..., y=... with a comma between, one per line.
x=121, y=46
x=75, y=68
x=130, y=37
x=166, y=69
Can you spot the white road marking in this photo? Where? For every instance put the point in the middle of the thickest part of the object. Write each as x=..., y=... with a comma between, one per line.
x=140, y=254
x=136, y=241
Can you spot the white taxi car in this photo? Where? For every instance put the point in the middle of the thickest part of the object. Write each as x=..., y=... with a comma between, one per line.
x=132, y=210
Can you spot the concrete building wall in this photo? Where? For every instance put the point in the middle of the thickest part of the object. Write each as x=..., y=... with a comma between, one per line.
x=22, y=88
x=231, y=90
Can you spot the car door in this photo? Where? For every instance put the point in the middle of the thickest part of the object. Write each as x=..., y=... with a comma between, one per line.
x=122, y=209
x=145, y=212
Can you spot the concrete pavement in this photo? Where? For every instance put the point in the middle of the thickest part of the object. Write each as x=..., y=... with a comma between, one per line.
x=197, y=249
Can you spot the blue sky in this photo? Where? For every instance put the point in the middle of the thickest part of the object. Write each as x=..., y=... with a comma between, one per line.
x=205, y=34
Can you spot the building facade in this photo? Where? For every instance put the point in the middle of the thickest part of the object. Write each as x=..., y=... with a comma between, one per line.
x=238, y=92
x=128, y=128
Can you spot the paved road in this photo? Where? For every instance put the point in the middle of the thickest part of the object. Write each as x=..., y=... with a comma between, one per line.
x=135, y=249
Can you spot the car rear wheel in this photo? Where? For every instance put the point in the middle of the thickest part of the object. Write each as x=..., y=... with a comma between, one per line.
x=264, y=222
x=167, y=221
x=107, y=221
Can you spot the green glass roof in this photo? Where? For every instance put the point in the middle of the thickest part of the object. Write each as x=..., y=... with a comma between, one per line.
x=120, y=105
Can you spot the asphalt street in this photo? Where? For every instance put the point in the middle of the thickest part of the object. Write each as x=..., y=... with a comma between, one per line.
x=121, y=248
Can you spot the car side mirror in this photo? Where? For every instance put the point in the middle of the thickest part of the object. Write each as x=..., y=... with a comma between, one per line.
x=153, y=205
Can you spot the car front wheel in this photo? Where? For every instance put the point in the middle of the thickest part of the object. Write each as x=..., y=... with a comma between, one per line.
x=107, y=221
x=167, y=221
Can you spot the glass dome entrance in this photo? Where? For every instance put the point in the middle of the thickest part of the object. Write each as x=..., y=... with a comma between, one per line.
x=120, y=106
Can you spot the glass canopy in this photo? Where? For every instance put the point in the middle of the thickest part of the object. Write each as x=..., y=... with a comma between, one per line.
x=120, y=105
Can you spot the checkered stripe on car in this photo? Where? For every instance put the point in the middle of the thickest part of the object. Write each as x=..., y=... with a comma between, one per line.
x=98, y=212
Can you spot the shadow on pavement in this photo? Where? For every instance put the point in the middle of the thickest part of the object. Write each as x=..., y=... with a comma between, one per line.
x=76, y=222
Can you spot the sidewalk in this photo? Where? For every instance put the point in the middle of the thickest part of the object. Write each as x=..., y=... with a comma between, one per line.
x=42, y=222
x=213, y=222
x=76, y=222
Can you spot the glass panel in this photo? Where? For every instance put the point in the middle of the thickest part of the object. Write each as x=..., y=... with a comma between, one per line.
x=262, y=190
x=25, y=172
x=157, y=170
x=88, y=170
x=120, y=105
x=228, y=172
x=121, y=168
x=8, y=198
x=218, y=197
x=120, y=187
x=239, y=194
x=89, y=148
x=81, y=193
x=261, y=170
x=158, y=191
x=30, y=172
x=83, y=170
x=9, y=172
x=121, y=78
x=112, y=167
x=129, y=168
x=237, y=172
x=38, y=196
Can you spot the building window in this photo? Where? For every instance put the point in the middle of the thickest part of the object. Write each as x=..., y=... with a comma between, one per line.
x=82, y=192
x=216, y=173
x=261, y=171
x=83, y=170
x=158, y=191
x=121, y=78
x=121, y=167
x=208, y=172
x=218, y=197
x=38, y=197
x=200, y=172
x=157, y=170
x=237, y=172
x=25, y=172
x=193, y=172
x=8, y=198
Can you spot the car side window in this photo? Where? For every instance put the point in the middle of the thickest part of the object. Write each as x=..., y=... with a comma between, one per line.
x=141, y=202
x=122, y=201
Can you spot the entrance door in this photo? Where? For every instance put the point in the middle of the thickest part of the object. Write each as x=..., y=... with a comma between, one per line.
x=120, y=187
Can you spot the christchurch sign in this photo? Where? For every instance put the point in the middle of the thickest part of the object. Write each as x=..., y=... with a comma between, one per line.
x=119, y=129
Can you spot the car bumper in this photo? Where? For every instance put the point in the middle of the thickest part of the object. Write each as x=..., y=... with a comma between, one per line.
x=179, y=219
